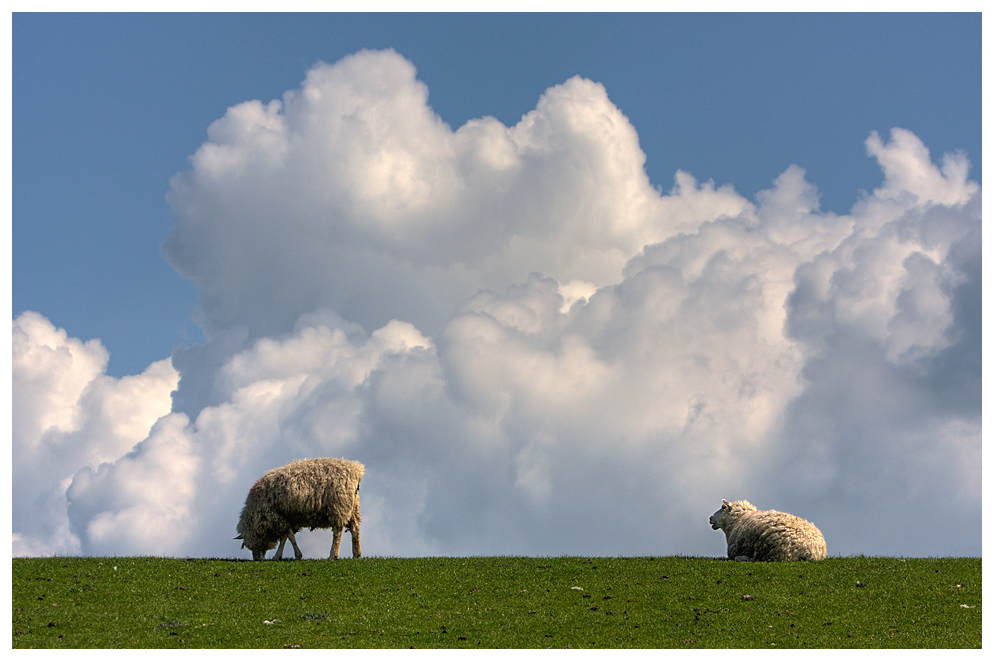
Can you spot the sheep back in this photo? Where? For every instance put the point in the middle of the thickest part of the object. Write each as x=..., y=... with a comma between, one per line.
x=309, y=493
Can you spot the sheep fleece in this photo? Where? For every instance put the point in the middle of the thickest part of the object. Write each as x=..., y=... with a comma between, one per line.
x=767, y=535
x=309, y=493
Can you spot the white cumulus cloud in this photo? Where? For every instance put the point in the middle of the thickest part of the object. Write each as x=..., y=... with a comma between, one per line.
x=531, y=348
x=389, y=213
x=69, y=415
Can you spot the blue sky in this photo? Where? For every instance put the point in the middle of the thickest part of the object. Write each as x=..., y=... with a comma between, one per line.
x=699, y=256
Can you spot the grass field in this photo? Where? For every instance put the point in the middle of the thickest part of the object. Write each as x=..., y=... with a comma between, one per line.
x=496, y=602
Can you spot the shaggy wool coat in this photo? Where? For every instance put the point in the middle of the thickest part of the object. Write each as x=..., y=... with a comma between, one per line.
x=767, y=535
x=310, y=493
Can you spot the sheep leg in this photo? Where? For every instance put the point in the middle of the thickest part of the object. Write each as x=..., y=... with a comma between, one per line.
x=279, y=551
x=356, y=546
x=336, y=544
x=293, y=540
x=296, y=549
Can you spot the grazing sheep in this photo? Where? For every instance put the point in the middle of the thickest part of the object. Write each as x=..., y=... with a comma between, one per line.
x=310, y=493
x=767, y=535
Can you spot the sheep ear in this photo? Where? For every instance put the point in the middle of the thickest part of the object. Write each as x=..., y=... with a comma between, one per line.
x=724, y=502
x=239, y=537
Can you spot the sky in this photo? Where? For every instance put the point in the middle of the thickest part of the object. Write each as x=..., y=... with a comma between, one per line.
x=561, y=282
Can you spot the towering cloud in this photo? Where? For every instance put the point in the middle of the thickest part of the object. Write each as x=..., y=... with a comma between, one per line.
x=531, y=348
x=351, y=194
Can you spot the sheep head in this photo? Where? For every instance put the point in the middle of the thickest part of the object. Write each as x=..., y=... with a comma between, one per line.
x=729, y=513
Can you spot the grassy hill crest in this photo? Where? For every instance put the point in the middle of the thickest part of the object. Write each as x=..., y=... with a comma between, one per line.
x=496, y=602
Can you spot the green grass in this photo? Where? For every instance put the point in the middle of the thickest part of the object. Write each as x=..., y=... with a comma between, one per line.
x=496, y=602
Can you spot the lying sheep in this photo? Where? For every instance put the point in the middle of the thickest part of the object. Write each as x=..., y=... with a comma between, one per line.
x=310, y=493
x=767, y=535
